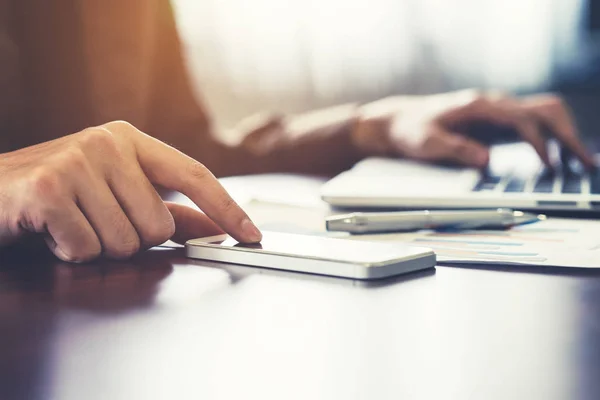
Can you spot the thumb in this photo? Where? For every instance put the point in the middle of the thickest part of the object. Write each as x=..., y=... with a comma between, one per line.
x=191, y=223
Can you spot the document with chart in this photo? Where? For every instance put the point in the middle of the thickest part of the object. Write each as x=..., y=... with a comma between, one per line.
x=555, y=242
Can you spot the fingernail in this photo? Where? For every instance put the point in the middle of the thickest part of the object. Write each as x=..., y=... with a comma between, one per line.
x=250, y=231
x=63, y=256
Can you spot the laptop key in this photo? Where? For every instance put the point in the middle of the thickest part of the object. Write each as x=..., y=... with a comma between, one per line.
x=515, y=185
x=571, y=183
x=484, y=186
x=487, y=183
x=595, y=181
x=545, y=182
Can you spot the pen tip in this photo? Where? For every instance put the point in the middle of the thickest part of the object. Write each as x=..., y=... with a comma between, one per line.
x=542, y=217
x=521, y=218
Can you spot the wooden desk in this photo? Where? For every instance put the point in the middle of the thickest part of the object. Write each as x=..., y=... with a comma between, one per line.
x=164, y=327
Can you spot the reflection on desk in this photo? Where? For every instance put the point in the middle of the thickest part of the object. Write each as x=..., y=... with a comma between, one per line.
x=161, y=326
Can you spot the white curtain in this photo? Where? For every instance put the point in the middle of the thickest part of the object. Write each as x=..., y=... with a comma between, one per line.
x=292, y=55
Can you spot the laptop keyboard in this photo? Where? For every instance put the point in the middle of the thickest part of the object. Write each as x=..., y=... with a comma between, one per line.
x=547, y=180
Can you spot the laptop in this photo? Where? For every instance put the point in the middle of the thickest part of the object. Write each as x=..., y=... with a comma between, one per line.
x=515, y=178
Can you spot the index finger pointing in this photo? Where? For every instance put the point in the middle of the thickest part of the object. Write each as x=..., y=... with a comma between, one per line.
x=174, y=170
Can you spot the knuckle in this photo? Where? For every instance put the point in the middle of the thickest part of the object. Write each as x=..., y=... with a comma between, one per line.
x=477, y=99
x=479, y=103
x=198, y=171
x=74, y=159
x=120, y=127
x=122, y=241
x=554, y=102
x=426, y=142
x=159, y=232
x=130, y=247
x=45, y=186
x=228, y=204
x=462, y=147
x=454, y=145
x=100, y=139
x=429, y=141
x=127, y=247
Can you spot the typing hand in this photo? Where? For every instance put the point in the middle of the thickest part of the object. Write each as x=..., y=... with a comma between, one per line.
x=91, y=193
x=434, y=128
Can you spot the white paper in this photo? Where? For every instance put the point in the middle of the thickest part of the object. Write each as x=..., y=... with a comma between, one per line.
x=555, y=242
x=284, y=189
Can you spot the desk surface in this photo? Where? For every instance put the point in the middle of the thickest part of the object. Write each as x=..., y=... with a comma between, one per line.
x=164, y=327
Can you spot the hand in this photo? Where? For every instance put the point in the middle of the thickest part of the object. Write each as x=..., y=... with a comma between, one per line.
x=91, y=193
x=434, y=128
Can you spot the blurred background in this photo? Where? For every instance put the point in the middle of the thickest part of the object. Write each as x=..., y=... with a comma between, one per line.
x=295, y=55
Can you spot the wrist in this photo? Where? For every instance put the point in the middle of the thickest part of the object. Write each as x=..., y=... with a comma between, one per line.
x=322, y=121
x=372, y=133
x=369, y=135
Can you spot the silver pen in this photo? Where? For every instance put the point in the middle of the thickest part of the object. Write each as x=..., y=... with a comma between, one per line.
x=371, y=222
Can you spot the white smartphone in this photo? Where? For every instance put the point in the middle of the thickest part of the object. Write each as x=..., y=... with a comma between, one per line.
x=315, y=255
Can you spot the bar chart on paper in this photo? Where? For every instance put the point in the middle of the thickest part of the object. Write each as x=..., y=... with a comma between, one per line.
x=512, y=245
x=554, y=242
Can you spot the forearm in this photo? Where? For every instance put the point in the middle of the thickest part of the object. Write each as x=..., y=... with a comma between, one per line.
x=314, y=143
